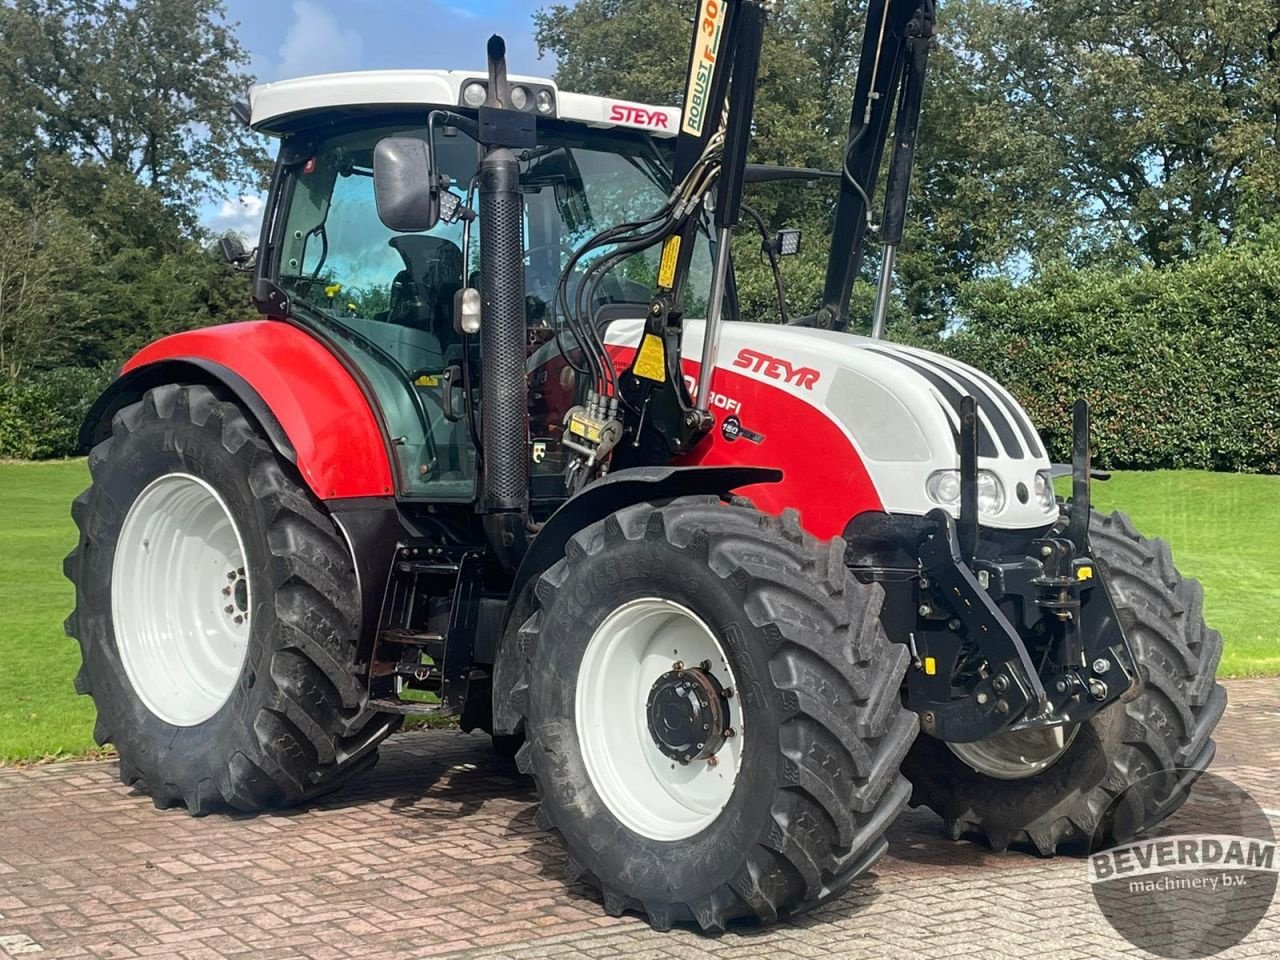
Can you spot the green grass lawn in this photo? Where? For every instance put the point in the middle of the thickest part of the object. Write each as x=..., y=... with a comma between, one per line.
x=40, y=714
x=1225, y=529
x=1225, y=532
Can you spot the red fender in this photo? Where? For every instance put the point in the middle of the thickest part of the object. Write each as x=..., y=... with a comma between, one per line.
x=339, y=447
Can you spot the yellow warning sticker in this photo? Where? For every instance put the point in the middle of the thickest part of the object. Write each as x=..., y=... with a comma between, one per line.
x=930, y=666
x=582, y=428
x=651, y=361
x=670, y=257
x=426, y=380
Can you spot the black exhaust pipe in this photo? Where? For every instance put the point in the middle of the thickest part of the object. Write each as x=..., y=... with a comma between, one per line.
x=504, y=408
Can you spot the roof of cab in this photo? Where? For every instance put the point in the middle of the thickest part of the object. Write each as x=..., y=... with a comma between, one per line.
x=277, y=108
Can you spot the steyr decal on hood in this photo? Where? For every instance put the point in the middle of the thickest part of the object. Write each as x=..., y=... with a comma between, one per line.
x=777, y=369
x=625, y=113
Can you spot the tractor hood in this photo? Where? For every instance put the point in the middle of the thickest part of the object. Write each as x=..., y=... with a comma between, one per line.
x=899, y=408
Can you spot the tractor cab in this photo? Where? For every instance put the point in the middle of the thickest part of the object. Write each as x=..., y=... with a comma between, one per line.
x=390, y=300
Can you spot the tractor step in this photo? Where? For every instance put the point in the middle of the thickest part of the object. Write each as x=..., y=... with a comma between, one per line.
x=432, y=644
x=436, y=568
x=411, y=708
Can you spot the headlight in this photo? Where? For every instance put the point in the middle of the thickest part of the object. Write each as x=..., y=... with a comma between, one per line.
x=943, y=488
x=519, y=97
x=990, y=493
x=544, y=101
x=1044, y=490
x=474, y=94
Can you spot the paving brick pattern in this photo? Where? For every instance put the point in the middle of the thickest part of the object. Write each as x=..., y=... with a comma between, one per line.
x=435, y=853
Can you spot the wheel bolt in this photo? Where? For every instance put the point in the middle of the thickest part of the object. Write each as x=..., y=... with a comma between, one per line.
x=226, y=591
x=678, y=665
x=730, y=733
x=239, y=620
x=728, y=692
x=705, y=665
x=231, y=575
x=712, y=760
x=228, y=609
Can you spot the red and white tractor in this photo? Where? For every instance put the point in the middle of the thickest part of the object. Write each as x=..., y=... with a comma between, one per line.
x=503, y=446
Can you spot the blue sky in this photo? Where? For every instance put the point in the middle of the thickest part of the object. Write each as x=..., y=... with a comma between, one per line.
x=293, y=38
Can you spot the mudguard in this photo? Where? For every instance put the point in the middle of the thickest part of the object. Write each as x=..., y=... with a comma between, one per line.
x=308, y=404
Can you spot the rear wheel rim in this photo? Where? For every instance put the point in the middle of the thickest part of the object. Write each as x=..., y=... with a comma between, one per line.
x=1017, y=754
x=648, y=791
x=181, y=599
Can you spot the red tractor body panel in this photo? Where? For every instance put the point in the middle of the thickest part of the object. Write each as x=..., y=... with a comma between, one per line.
x=335, y=435
x=822, y=474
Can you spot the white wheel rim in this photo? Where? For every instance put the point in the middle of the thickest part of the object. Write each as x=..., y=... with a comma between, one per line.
x=180, y=599
x=1018, y=754
x=645, y=789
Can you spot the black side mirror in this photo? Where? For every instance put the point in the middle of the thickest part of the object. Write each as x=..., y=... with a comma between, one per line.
x=404, y=185
x=233, y=249
x=234, y=252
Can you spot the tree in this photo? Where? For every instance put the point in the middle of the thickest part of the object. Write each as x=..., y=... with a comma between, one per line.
x=136, y=89
x=44, y=256
x=1161, y=119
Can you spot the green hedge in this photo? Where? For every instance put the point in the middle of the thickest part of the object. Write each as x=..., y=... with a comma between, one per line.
x=40, y=416
x=1181, y=366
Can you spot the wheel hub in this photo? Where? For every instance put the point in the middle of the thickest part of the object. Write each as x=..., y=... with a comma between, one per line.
x=181, y=599
x=688, y=714
x=639, y=713
x=1018, y=754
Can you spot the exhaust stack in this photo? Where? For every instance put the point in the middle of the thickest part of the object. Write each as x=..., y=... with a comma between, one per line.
x=504, y=410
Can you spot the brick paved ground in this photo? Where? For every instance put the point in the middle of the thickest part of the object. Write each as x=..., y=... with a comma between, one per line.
x=435, y=853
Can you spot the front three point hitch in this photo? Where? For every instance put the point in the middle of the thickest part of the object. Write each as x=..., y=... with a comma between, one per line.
x=1014, y=643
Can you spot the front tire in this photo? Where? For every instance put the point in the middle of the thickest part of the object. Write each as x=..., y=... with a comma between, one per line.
x=216, y=613
x=807, y=783
x=1153, y=747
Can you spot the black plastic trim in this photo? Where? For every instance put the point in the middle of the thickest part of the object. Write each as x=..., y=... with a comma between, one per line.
x=130, y=387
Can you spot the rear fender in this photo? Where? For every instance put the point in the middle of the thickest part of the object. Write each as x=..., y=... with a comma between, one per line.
x=618, y=490
x=308, y=405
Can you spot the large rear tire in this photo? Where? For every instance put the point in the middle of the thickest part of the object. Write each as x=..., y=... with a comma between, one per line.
x=806, y=785
x=216, y=610
x=1151, y=748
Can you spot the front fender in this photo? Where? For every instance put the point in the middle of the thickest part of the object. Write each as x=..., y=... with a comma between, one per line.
x=308, y=404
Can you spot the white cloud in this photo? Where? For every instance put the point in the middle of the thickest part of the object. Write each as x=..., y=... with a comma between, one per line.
x=318, y=43
x=242, y=215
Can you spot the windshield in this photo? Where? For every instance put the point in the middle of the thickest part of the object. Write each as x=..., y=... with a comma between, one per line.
x=389, y=296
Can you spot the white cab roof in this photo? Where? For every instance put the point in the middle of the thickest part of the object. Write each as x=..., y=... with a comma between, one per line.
x=276, y=107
